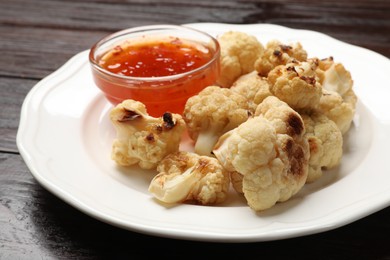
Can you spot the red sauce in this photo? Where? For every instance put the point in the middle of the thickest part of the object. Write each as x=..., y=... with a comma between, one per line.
x=156, y=59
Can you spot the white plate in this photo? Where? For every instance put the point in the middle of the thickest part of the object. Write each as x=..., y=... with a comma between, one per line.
x=65, y=139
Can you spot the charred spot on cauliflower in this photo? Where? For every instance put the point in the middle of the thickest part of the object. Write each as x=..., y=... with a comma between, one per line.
x=211, y=113
x=276, y=54
x=296, y=84
x=189, y=177
x=142, y=139
x=285, y=120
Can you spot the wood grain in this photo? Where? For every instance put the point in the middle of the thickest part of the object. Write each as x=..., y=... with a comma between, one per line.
x=13, y=92
x=36, y=224
x=75, y=26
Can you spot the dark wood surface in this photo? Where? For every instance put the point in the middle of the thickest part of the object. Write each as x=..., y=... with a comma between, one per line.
x=37, y=37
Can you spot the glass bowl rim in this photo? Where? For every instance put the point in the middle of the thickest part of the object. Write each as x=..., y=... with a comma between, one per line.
x=146, y=28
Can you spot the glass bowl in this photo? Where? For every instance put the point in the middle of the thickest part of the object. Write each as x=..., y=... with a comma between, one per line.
x=173, y=79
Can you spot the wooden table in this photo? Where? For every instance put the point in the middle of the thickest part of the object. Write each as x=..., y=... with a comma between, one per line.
x=37, y=37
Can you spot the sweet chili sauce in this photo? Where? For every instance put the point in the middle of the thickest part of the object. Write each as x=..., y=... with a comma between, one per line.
x=161, y=73
x=156, y=59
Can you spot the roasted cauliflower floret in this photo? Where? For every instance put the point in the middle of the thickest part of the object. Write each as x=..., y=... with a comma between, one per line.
x=142, y=139
x=296, y=84
x=239, y=52
x=281, y=116
x=247, y=147
x=340, y=110
x=338, y=79
x=211, y=113
x=338, y=101
x=253, y=87
x=276, y=54
x=325, y=142
x=273, y=166
x=325, y=64
x=185, y=176
x=271, y=157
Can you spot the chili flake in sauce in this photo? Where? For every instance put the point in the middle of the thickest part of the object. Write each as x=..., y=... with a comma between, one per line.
x=156, y=59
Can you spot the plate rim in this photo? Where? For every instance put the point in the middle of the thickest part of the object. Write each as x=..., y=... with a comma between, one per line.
x=152, y=231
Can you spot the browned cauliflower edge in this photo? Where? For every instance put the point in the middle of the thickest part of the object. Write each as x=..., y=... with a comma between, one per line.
x=277, y=53
x=142, y=139
x=296, y=84
x=189, y=177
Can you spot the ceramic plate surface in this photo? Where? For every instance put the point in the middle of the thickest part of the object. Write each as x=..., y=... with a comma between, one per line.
x=65, y=139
